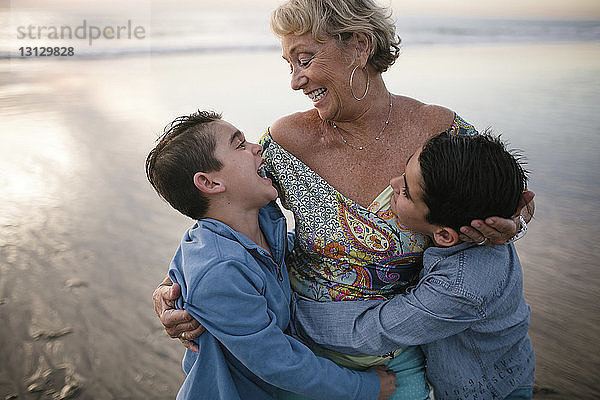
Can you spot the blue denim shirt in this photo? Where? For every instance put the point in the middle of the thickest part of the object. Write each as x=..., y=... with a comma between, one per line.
x=241, y=294
x=467, y=311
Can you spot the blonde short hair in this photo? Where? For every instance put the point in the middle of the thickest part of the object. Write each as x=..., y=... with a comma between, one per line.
x=340, y=19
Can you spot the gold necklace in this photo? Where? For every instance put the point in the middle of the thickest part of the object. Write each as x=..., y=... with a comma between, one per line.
x=378, y=137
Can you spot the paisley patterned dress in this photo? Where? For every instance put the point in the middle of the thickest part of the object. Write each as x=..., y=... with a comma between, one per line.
x=344, y=251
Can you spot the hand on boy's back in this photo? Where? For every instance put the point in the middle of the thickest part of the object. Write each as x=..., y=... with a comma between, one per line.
x=176, y=321
x=387, y=382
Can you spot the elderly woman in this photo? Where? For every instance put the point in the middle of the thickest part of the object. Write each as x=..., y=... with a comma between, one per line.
x=332, y=166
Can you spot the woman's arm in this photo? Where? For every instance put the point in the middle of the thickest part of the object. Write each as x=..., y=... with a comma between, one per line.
x=176, y=322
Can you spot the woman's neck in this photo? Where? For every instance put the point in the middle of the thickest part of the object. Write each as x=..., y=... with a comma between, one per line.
x=369, y=116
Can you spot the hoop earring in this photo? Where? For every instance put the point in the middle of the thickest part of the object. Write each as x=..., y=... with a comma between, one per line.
x=352, y=89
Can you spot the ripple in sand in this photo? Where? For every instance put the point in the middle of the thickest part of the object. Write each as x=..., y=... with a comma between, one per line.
x=68, y=391
x=51, y=335
x=59, y=383
x=543, y=391
x=74, y=283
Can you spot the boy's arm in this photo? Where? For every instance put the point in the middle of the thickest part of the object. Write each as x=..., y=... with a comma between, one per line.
x=229, y=303
x=429, y=312
x=180, y=322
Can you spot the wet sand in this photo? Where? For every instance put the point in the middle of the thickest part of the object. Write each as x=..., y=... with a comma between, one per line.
x=84, y=240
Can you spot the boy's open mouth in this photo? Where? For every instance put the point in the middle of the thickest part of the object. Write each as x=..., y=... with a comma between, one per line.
x=261, y=170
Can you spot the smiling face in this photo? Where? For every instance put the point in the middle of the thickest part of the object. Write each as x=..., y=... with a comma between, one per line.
x=242, y=172
x=321, y=71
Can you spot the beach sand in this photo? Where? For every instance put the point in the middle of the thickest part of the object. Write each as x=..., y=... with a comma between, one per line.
x=84, y=240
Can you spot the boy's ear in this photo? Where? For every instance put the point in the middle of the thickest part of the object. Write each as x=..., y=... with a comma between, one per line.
x=445, y=237
x=207, y=183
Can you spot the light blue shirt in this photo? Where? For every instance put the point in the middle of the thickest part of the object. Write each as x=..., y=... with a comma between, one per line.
x=467, y=311
x=241, y=294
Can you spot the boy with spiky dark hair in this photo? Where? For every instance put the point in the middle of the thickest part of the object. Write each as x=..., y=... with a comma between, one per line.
x=467, y=312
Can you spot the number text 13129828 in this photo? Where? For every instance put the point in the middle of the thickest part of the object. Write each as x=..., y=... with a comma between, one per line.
x=46, y=51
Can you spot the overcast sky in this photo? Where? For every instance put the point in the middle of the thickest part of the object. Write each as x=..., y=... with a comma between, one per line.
x=503, y=8
x=580, y=9
x=588, y=9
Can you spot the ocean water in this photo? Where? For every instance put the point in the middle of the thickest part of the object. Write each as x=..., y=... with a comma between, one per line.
x=194, y=27
x=84, y=240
